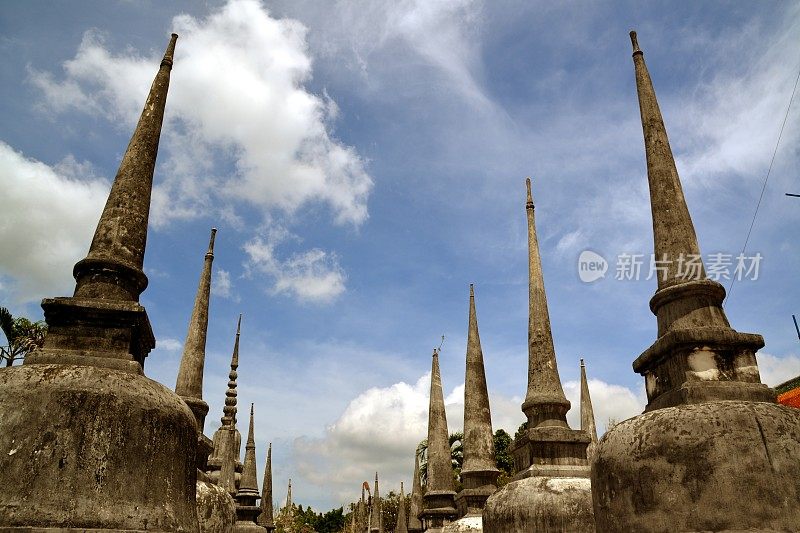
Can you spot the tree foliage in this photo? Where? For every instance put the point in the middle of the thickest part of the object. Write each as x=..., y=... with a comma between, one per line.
x=22, y=336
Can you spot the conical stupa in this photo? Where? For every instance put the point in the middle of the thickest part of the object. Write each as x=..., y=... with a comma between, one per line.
x=266, y=519
x=479, y=472
x=713, y=450
x=376, y=516
x=551, y=489
x=438, y=502
x=402, y=522
x=224, y=467
x=414, y=510
x=110, y=449
x=247, y=510
x=587, y=414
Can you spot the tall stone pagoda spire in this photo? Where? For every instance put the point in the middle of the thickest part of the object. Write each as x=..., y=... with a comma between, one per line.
x=587, y=413
x=712, y=435
x=265, y=519
x=80, y=405
x=479, y=472
x=376, y=517
x=438, y=508
x=414, y=523
x=246, y=509
x=189, y=385
x=545, y=403
x=224, y=462
x=402, y=522
x=549, y=453
x=288, y=510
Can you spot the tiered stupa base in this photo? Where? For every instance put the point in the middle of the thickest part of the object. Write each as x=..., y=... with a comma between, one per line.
x=712, y=466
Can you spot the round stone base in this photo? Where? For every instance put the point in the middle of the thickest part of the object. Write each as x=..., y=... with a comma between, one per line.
x=467, y=524
x=216, y=510
x=713, y=466
x=94, y=448
x=552, y=504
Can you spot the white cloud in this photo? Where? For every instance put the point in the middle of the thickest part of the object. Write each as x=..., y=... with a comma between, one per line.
x=312, y=275
x=729, y=125
x=170, y=345
x=49, y=216
x=775, y=370
x=237, y=100
x=221, y=285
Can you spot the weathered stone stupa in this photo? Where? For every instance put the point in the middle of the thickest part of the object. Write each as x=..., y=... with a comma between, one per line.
x=266, y=518
x=215, y=507
x=415, y=509
x=438, y=502
x=88, y=441
x=479, y=472
x=246, y=509
x=587, y=414
x=224, y=467
x=376, y=517
x=402, y=521
x=713, y=451
x=551, y=490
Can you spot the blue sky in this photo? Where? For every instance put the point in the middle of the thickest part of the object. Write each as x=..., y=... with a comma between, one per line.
x=364, y=162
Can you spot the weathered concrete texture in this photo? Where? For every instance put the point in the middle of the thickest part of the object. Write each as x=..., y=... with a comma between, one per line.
x=402, y=523
x=545, y=402
x=587, y=413
x=216, y=510
x=376, y=516
x=112, y=270
x=467, y=524
x=265, y=518
x=438, y=503
x=89, y=447
x=479, y=473
x=189, y=384
x=712, y=466
x=414, y=510
x=535, y=504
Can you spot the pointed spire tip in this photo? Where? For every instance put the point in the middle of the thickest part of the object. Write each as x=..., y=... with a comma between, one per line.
x=170, y=53
x=582, y=362
x=635, y=42
x=211, y=242
x=529, y=203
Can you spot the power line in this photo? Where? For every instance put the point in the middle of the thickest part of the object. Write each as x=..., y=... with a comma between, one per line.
x=766, y=179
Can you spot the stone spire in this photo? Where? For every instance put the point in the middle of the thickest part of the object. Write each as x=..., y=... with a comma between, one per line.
x=266, y=519
x=246, y=508
x=439, y=499
x=545, y=403
x=548, y=453
x=587, y=413
x=288, y=509
x=414, y=523
x=479, y=472
x=224, y=461
x=189, y=385
x=402, y=523
x=80, y=404
x=249, y=483
x=113, y=268
x=673, y=232
x=706, y=403
x=112, y=271
x=685, y=299
x=376, y=519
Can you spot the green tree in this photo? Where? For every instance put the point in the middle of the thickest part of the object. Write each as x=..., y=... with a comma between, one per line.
x=22, y=336
x=456, y=458
x=502, y=454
